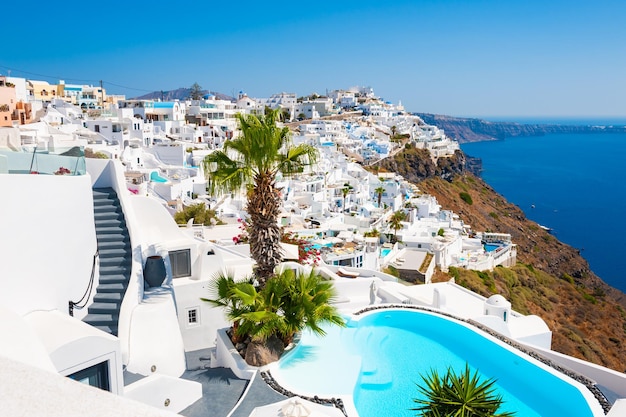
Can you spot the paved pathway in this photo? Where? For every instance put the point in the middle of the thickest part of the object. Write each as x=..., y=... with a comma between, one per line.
x=222, y=389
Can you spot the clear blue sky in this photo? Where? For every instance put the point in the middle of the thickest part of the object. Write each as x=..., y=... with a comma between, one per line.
x=462, y=58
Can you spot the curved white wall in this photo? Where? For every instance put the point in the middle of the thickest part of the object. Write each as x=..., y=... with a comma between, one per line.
x=48, y=240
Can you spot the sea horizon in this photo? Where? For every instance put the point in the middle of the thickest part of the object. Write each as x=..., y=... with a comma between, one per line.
x=568, y=183
x=560, y=120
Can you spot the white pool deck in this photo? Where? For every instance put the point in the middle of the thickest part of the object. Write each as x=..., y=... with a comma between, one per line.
x=355, y=294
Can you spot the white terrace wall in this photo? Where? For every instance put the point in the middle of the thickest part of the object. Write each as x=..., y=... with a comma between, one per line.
x=48, y=240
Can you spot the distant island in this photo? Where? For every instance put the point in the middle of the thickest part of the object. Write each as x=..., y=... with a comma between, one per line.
x=466, y=130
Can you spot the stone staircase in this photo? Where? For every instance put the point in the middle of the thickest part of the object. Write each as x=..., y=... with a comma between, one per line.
x=115, y=261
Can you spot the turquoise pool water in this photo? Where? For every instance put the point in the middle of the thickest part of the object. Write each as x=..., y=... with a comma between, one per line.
x=154, y=176
x=378, y=359
x=490, y=248
x=384, y=252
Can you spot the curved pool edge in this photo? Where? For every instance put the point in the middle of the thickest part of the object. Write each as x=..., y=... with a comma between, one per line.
x=343, y=403
x=580, y=381
x=597, y=402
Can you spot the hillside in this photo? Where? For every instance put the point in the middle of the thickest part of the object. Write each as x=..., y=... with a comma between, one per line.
x=552, y=280
x=475, y=130
x=179, y=94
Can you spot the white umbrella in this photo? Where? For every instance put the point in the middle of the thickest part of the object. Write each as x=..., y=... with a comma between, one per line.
x=295, y=408
x=296, y=405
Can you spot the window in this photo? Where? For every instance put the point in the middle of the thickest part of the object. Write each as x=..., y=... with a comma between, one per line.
x=97, y=128
x=96, y=376
x=193, y=316
x=181, y=263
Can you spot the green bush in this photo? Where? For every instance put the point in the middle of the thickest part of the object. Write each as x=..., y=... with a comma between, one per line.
x=466, y=197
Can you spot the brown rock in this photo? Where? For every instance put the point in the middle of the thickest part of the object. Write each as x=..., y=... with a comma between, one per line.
x=260, y=354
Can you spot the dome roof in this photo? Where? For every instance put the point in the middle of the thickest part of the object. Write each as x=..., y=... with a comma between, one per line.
x=497, y=300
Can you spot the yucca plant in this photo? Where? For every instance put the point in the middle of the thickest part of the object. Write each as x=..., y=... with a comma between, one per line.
x=458, y=395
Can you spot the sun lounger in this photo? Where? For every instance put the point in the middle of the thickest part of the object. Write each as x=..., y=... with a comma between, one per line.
x=347, y=274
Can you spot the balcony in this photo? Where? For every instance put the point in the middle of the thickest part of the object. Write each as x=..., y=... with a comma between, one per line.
x=70, y=161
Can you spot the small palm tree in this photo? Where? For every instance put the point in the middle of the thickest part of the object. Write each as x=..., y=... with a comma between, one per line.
x=252, y=161
x=230, y=295
x=307, y=304
x=379, y=191
x=395, y=222
x=345, y=191
x=287, y=304
x=458, y=395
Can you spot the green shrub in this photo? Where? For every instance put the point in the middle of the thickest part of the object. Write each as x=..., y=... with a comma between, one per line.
x=466, y=197
x=568, y=278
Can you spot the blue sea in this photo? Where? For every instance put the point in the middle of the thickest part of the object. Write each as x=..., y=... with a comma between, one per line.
x=571, y=183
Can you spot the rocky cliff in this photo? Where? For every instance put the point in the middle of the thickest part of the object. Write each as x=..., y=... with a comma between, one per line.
x=475, y=130
x=586, y=315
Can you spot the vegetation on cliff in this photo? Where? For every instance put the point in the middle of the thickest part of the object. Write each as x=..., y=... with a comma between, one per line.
x=586, y=315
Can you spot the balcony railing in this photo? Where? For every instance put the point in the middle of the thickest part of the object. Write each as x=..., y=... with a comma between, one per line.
x=68, y=161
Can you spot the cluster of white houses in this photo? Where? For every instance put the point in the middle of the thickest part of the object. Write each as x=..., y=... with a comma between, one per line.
x=85, y=237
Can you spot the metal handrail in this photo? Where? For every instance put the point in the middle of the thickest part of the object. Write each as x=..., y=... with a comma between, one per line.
x=83, y=300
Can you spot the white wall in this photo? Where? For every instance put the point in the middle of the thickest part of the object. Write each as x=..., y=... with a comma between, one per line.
x=48, y=241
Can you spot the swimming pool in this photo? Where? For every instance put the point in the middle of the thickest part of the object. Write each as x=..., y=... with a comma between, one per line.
x=384, y=252
x=489, y=247
x=155, y=177
x=379, y=357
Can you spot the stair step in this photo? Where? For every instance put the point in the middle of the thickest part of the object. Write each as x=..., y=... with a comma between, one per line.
x=106, y=209
x=118, y=261
x=109, y=288
x=113, y=251
x=101, y=216
x=113, y=279
x=114, y=244
x=124, y=269
x=108, y=297
x=109, y=230
x=103, y=205
x=104, y=308
x=100, y=319
x=113, y=237
x=111, y=223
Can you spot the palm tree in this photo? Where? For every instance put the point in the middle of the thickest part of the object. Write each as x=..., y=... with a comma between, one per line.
x=289, y=303
x=379, y=191
x=345, y=191
x=395, y=222
x=460, y=395
x=307, y=304
x=229, y=295
x=254, y=159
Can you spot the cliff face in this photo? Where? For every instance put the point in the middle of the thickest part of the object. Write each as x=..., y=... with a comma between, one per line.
x=475, y=130
x=551, y=280
x=416, y=165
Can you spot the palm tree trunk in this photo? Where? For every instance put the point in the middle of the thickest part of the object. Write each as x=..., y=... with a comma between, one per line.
x=263, y=208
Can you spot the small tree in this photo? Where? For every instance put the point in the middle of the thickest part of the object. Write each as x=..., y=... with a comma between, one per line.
x=395, y=222
x=200, y=215
x=462, y=395
x=195, y=92
x=379, y=191
x=345, y=191
x=289, y=303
